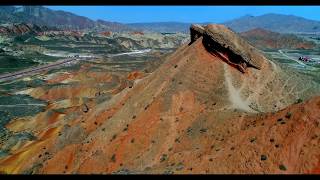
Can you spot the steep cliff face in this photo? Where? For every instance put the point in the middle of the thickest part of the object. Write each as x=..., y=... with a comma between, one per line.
x=194, y=114
x=196, y=31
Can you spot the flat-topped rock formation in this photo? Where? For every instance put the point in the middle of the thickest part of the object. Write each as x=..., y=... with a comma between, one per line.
x=225, y=43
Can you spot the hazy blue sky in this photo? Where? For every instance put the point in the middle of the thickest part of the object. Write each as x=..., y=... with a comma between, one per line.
x=129, y=14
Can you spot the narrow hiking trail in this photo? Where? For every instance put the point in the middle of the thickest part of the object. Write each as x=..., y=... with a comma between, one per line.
x=235, y=94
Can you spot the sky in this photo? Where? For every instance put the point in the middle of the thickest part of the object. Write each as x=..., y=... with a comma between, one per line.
x=189, y=14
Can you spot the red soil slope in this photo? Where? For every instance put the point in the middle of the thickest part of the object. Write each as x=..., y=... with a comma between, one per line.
x=194, y=114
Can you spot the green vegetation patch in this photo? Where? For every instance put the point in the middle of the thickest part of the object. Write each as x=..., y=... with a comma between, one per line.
x=12, y=63
x=13, y=106
x=20, y=85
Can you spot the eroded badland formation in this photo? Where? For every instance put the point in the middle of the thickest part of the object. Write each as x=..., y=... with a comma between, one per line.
x=215, y=105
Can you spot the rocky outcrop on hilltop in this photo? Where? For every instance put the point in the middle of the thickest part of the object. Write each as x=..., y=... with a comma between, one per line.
x=220, y=40
x=196, y=31
x=137, y=33
x=106, y=33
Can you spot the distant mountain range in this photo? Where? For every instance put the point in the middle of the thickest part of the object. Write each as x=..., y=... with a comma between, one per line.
x=43, y=16
x=275, y=22
x=168, y=27
x=265, y=39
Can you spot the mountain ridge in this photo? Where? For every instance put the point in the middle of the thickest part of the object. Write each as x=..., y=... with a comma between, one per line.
x=40, y=15
x=266, y=39
x=43, y=16
x=275, y=22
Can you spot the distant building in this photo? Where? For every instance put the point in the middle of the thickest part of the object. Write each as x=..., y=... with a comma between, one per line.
x=304, y=58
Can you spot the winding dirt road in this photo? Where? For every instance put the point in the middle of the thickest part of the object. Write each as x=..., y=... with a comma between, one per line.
x=299, y=62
